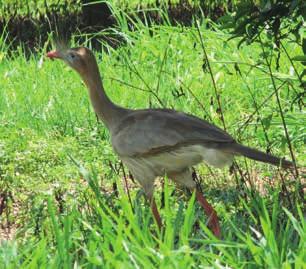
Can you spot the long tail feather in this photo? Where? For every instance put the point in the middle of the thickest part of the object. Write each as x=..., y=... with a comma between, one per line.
x=261, y=156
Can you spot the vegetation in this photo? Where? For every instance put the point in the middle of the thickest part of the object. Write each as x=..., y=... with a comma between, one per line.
x=40, y=7
x=67, y=202
x=29, y=22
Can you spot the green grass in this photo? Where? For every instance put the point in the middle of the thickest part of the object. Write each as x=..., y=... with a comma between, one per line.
x=55, y=159
x=37, y=8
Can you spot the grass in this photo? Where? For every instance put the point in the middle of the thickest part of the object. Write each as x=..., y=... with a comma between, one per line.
x=63, y=186
x=40, y=7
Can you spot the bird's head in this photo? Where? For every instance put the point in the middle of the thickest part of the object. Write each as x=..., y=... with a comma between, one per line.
x=80, y=59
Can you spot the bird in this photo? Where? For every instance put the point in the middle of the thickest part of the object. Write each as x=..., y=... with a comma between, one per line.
x=158, y=142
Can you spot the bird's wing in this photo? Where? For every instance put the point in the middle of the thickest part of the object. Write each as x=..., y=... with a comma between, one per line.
x=146, y=132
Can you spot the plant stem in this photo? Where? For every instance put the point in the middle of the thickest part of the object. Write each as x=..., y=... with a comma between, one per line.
x=280, y=111
x=212, y=77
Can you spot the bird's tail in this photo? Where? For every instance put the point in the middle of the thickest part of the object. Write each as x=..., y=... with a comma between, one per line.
x=261, y=156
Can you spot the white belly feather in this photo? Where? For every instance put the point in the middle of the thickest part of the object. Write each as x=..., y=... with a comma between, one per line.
x=150, y=167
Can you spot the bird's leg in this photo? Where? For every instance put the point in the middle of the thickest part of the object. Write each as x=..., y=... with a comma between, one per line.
x=213, y=222
x=149, y=194
x=156, y=213
x=184, y=177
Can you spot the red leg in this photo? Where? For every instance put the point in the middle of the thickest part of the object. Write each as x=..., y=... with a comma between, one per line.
x=156, y=213
x=213, y=222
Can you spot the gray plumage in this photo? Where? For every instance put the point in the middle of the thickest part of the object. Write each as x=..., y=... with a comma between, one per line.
x=155, y=142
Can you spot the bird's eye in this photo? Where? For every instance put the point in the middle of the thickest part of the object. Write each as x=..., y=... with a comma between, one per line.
x=71, y=56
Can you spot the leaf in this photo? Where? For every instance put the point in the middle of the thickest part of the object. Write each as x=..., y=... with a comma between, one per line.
x=299, y=58
x=264, y=55
x=304, y=46
x=226, y=22
x=245, y=8
x=266, y=121
x=303, y=73
x=96, y=260
x=241, y=28
x=2, y=54
x=225, y=19
x=244, y=39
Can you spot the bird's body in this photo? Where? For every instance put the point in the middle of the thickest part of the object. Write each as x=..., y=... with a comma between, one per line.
x=158, y=142
x=154, y=142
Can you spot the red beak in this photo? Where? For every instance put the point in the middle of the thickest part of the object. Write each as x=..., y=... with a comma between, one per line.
x=53, y=54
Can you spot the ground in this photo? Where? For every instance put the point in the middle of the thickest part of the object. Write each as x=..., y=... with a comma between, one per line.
x=65, y=187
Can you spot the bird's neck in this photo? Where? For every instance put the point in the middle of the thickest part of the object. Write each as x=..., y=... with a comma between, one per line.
x=105, y=109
